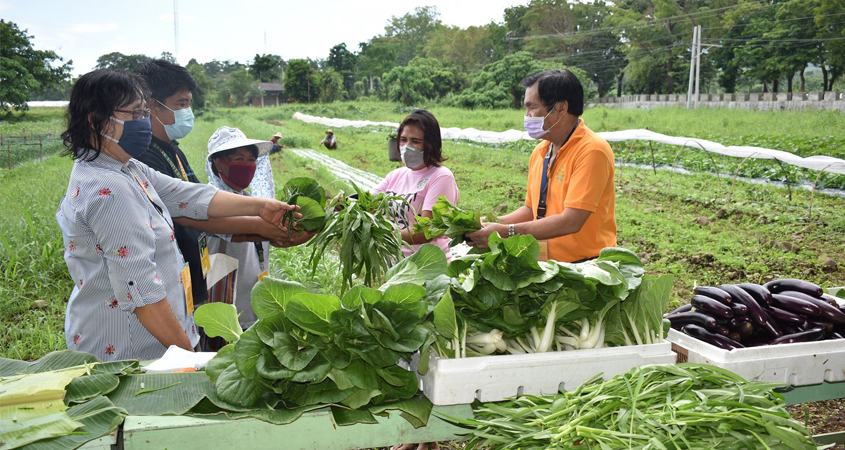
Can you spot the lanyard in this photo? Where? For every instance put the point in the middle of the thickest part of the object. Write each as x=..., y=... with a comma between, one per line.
x=259, y=248
x=544, y=181
x=170, y=161
x=158, y=208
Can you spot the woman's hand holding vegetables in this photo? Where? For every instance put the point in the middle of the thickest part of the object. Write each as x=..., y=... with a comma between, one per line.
x=273, y=212
x=298, y=237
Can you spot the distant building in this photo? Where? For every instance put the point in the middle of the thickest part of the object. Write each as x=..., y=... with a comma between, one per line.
x=272, y=94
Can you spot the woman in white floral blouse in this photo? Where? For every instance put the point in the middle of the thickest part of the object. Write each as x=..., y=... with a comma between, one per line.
x=129, y=298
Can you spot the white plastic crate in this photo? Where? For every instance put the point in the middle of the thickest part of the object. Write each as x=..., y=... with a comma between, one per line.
x=798, y=364
x=494, y=378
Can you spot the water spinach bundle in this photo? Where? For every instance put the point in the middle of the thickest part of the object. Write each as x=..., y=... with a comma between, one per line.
x=506, y=301
x=310, y=350
x=684, y=406
x=367, y=240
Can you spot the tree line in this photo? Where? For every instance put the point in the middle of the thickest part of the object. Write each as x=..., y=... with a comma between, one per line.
x=616, y=47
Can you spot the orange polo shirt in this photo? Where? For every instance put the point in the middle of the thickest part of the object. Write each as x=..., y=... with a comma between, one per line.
x=581, y=177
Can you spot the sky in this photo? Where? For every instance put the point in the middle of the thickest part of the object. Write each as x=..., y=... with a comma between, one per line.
x=237, y=30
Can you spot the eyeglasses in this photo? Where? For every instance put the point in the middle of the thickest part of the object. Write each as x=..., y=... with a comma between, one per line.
x=140, y=113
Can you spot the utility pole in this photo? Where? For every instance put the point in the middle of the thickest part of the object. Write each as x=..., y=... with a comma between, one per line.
x=697, y=66
x=175, y=31
x=692, y=65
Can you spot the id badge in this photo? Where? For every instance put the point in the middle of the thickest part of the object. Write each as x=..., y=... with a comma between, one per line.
x=189, y=292
x=544, y=251
x=206, y=263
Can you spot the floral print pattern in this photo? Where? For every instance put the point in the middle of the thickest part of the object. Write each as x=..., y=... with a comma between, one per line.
x=112, y=303
x=123, y=252
x=106, y=192
x=76, y=338
x=110, y=349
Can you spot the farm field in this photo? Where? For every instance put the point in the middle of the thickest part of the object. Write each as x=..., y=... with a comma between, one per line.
x=700, y=227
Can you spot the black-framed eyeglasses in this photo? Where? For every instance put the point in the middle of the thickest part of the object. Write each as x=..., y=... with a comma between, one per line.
x=140, y=113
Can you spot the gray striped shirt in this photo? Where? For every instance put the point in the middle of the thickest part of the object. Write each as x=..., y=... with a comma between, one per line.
x=121, y=253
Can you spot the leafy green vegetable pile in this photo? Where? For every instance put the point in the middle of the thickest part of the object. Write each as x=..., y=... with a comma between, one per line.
x=450, y=220
x=58, y=402
x=684, y=406
x=311, y=198
x=368, y=241
x=309, y=350
x=506, y=300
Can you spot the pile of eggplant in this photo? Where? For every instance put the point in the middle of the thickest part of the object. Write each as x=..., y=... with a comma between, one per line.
x=748, y=315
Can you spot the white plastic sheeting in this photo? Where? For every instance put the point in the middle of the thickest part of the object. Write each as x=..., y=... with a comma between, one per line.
x=341, y=170
x=826, y=163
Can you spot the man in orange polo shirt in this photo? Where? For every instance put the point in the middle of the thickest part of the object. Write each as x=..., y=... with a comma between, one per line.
x=571, y=210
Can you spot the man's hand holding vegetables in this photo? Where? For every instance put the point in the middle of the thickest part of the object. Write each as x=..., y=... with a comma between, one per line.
x=570, y=203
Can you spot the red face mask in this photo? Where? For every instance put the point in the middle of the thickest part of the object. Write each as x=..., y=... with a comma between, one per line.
x=240, y=174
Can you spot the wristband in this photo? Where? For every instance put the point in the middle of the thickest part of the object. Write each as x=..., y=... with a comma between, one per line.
x=511, y=230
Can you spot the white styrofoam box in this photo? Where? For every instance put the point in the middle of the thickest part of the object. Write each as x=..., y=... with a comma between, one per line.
x=496, y=377
x=798, y=364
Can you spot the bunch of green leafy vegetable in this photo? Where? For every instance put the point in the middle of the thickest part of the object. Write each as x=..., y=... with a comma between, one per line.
x=450, y=220
x=368, y=241
x=310, y=349
x=311, y=198
x=59, y=402
x=507, y=301
x=684, y=406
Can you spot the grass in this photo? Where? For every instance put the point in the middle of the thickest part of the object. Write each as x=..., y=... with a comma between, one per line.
x=752, y=232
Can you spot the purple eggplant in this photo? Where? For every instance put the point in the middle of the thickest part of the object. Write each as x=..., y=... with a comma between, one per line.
x=810, y=335
x=711, y=307
x=682, y=308
x=714, y=339
x=714, y=293
x=795, y=305
x=794, y=284
x=684, y=318
x=782, y=315
x=761, y=294
x=755, y=311
x=827, y=312
x=739, y=309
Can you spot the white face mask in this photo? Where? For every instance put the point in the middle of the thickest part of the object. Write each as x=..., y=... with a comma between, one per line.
x=411, y=156
x=534, y=125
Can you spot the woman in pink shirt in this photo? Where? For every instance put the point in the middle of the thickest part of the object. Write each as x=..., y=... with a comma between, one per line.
x=421, y=180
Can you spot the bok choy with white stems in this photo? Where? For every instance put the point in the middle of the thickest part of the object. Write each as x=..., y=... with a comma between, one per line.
x=548, y=306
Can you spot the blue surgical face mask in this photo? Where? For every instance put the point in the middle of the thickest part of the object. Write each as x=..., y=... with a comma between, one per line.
x=182, y=125
x=136, y=136
x=411, y=156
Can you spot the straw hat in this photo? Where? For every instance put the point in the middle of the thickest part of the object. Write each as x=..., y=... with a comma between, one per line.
x=227, y=138
x=278, y=135
x=329, y=131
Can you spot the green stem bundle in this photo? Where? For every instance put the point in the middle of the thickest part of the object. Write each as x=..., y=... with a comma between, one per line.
x=684, y=406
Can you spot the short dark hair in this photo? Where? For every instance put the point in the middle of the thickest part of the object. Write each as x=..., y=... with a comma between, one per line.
x=432, y=142
x=93, y=99
x=165, y=78
x=252, y=148
x=558, y=85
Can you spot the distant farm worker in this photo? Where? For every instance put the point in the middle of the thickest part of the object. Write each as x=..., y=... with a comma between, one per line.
x=570, y=203
x=422, y=179
x=231, y=167
x=131, y=297
x=329, y=141
x=275, y=140
x=171, y=88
